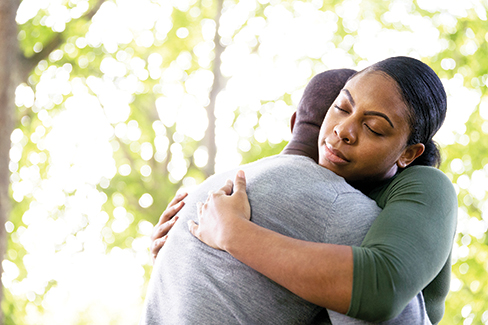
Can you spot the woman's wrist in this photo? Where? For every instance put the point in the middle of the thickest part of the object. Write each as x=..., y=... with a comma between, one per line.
x=235, y=234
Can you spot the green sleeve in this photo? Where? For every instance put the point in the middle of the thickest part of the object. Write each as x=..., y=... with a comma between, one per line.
x=407, y=248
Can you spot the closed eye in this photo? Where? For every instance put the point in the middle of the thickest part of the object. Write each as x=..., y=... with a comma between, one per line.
x=340, y=109
x=373, y=131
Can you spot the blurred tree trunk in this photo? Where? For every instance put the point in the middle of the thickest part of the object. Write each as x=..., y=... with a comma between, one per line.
x=9, y=51
x=14, y=69
x=209, y=139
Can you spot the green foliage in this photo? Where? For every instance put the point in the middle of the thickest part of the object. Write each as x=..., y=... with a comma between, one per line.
x=469, y=300
x=260, y=150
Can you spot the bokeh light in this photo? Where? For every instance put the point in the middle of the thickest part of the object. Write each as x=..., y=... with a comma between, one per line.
x=114, y=122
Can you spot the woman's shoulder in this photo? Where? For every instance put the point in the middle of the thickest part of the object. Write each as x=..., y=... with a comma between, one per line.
x=418, y=181
x=425, y=174
x=428, y=180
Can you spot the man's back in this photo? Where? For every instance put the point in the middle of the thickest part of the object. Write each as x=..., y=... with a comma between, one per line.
x=193, y=283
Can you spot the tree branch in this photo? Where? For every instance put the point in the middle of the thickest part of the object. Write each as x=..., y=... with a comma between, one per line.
x=89, y=15
x=28, y=64
x=209, y=139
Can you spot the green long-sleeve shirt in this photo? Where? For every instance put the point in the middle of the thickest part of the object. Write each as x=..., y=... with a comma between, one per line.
x=407, y=249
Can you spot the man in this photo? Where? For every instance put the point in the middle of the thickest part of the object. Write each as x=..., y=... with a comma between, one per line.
x=290, y=194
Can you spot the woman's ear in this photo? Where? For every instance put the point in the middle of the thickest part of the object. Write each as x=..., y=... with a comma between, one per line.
x=410, y=154
x=292, y=121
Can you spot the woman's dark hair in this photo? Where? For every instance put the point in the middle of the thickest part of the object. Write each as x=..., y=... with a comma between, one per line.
x=424, y=95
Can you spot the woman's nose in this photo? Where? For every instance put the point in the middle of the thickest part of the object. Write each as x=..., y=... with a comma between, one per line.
x=346, y=132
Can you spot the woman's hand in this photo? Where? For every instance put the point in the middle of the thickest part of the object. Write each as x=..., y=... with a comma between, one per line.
x=165, y=223
x=222, y=213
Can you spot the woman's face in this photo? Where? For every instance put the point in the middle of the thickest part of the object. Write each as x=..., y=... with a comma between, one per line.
x=364, y=134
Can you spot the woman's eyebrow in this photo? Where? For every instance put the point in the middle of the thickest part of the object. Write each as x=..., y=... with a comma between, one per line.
x=349, y=96
x=381, y=115
x=351, y=100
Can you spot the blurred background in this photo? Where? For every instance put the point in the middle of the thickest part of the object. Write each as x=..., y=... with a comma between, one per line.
x=109, y=107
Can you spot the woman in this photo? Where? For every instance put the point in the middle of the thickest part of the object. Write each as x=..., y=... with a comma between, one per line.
x=381, y=124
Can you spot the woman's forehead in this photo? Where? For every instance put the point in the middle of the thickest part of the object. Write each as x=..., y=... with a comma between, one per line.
x=373, y=86
x=375, y=90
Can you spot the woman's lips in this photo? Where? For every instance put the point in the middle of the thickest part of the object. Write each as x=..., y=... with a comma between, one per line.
x=334, y=155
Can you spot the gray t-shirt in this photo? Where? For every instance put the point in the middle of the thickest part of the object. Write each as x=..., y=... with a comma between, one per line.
x=192, y=283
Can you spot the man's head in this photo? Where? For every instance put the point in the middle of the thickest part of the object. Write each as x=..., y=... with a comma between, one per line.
x=318, y=96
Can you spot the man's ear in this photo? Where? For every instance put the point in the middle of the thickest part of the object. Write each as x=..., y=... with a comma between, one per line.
x=410, y=153
x=292, y=121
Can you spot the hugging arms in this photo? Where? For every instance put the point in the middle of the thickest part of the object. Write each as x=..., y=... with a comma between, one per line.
x=405, y=251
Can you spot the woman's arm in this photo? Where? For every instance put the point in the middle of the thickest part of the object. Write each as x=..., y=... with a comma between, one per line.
x=319, y=273
x=405, y=249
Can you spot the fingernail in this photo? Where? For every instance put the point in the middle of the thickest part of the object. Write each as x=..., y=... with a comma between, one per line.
x=240, y=174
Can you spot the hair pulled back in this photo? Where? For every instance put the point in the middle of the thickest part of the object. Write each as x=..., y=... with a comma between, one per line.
x=423, y=93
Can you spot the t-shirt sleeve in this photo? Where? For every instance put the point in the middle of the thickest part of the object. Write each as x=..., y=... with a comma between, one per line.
x=407, y=245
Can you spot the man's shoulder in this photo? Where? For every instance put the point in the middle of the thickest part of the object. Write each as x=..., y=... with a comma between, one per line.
x=303, y=168
x=290, y=173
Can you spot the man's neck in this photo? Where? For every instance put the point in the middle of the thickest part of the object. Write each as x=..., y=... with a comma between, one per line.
x=301, y=149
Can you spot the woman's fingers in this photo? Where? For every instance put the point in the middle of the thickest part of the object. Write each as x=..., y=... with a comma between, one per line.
x=193, y=227
x=163, y=229
x=170, y=212
x=160, y=236
x=199, y=208
x=202, y=235
x=226, y=189
x=240, y=183
x=166, y=222
x=156, y=247
x=178, y=197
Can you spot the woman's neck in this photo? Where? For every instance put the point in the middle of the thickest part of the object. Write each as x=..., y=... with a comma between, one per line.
x=366, y=186
x=363, y=186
